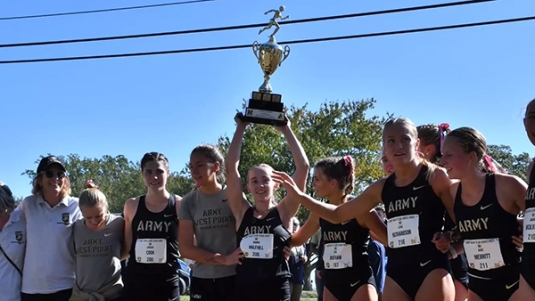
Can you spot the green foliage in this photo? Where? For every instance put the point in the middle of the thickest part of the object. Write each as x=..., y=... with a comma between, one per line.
x=118, y=178
x=336, y=129
x=514, y=164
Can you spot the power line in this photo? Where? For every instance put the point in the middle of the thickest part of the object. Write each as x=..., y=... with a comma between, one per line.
x=102, y=10
x=191, y=31
x=367, y=35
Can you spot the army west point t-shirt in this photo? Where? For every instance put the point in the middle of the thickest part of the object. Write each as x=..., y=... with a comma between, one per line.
x=214, y=229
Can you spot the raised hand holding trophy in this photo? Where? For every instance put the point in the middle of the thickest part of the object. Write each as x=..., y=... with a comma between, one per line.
x=265, y=107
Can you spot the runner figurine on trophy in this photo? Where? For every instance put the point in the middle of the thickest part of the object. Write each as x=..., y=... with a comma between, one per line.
x=264, y=106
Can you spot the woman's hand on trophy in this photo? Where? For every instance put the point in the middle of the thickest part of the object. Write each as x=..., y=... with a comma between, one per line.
x=287, y=126
x=239, y=122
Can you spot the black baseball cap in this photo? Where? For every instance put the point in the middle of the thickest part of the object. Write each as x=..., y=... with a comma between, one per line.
x=46, y=162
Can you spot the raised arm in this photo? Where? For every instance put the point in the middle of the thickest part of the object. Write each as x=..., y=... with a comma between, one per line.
x=238, y=204
x=289, y=206
x=311, y=226
x=362, y=204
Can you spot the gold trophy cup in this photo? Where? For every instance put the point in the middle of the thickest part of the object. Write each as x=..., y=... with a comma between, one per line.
x=265, y=107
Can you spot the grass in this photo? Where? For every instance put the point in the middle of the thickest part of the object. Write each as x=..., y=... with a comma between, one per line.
x=305, y=296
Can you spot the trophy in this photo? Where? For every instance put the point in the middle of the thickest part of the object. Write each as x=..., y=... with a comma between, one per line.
x=264, y=106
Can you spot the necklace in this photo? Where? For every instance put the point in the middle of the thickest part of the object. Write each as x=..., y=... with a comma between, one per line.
x=261, y=212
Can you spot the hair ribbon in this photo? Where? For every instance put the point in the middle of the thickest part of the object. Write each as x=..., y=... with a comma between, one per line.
x=443, y=127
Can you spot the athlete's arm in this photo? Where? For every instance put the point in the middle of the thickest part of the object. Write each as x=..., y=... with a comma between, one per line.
x=511, y=193
x=373, y=222
x=186, y=237
x=188, y=248
x=123, y=254
x=289, y=206
x=455, y=249
x=441, y=184
x=530, y=168
x=512, y=190
x=238, y=204
x=178, y=200
x=363, y=203
x=308, y=230
x=130, y=208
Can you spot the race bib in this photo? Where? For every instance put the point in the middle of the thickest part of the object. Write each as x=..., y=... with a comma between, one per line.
x=483, y=254
x=403, y=231
x=337, y=256
x=529, y=225
x=257, y=246
x=151, y=250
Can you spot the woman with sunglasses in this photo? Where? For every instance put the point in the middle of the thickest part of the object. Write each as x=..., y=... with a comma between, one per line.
x=50, y=213
x=12, y=244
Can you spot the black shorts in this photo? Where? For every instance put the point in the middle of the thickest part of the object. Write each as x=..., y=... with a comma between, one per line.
x=150, y=291
x=343, y=284
x=459, y=269
x=218, y=289
x=410, y=276
x=497, y=284
x=63, y=295
x=527, y=267
x=263, y=290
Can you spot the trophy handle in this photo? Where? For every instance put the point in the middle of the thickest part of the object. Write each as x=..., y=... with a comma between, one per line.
x=285, y=54
x=256, y=49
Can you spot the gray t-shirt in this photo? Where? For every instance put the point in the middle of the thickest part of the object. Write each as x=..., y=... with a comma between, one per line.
x=98, y=254
x=214, y=229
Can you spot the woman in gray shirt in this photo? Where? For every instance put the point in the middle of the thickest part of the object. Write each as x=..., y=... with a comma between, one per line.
x=98, y=242
x=206, y=231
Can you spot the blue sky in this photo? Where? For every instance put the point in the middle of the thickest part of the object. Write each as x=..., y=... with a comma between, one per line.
x=480, y=77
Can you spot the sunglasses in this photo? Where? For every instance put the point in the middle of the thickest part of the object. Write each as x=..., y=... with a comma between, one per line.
x=50, y=174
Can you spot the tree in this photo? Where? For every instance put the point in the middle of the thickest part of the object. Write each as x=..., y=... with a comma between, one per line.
x=117, y=177
x=514, y=164
x=18, y=200
x=336, y=129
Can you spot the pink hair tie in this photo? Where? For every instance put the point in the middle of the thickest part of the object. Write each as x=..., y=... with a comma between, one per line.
x=91, y=184
x=347, y=159
x=488, y=160
x=443, y=127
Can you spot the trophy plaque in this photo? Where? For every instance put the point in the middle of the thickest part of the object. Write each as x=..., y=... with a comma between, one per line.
x=266, y=107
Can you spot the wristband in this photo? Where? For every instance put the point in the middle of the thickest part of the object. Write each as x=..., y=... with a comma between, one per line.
x=452, y=251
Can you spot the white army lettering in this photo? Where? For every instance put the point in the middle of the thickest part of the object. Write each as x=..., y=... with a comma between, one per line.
x=476, y=224
x=402, y=204
x=334, y=236
x=153, y=226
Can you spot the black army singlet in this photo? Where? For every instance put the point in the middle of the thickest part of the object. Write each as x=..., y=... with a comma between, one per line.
x=152, y=270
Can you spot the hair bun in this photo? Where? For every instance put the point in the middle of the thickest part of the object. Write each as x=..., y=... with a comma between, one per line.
x=91, y=184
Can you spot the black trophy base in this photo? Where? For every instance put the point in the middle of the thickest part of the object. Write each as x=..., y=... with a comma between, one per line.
x=264, y=108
